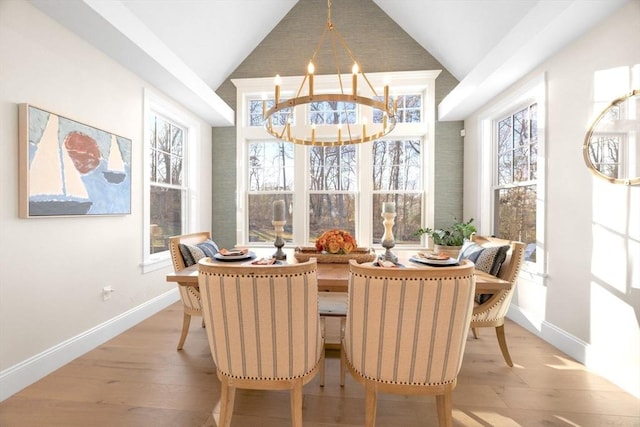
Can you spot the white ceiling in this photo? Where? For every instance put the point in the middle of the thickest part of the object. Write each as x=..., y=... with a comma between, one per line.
x=476, y=40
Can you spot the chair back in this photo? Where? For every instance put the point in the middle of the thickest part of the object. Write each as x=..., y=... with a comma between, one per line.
x=262, y=322
x=186, y=239
x=497, y=306
x=408, y=325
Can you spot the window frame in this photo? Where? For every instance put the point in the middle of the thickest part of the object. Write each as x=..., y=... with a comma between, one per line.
x=407, y=82
x=533, y=92
x=154, y=104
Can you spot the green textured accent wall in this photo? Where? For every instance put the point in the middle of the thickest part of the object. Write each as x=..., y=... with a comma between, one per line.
x=379, y=45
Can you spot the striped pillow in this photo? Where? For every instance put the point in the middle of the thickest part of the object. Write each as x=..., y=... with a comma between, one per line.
x=191, y=254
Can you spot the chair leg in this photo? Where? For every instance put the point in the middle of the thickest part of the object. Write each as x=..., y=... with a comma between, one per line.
x=321, y=368
x=475, y=333
x=343, y=358
x=296, y=403
x=186, y=321
x=371, y=404
x=444, y=409
x=343, y=364
x=502, y=341
x=227, y=400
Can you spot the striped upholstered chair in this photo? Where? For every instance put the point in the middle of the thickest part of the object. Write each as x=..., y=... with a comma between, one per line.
x=491, y=311
x=190, y=296
x=263, y=328
x=406, y=331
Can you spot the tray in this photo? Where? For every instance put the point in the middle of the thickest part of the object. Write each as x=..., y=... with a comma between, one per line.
x=361, y=255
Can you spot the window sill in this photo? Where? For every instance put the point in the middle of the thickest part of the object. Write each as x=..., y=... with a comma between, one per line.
x=157, y=263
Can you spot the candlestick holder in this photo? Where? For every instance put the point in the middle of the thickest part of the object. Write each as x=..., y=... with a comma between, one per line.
x=279, y=243
x=388, y=240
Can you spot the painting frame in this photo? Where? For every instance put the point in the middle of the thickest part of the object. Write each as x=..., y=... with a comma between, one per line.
x=70, y=169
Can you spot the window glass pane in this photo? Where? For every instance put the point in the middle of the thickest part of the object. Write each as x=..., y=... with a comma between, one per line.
x=166, y=216
x=332, y=168
x=408, y=217
x=516, y=214
x=270, y=166
x=396, y=165
x=256, y=112
x=409, y=108
x=327, y=211
x=261, y=214
x=166, y=209
x=332, y=112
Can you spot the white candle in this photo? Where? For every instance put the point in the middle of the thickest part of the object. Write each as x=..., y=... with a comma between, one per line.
x=278, y=83
x=310, y=70
x=354, y=83
x=388, y=207
x=278, y=210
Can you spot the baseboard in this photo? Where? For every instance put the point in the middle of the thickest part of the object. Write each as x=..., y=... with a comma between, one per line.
x=25, y=373
x=567, y=343
x=581, y=351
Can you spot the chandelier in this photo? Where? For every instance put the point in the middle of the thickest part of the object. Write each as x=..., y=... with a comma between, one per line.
x=278, y=119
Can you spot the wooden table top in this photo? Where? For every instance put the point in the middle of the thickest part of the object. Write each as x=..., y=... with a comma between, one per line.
x=334, y=277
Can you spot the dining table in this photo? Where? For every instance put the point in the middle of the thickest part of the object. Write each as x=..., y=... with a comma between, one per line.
x=334, y=277
x=333, y=284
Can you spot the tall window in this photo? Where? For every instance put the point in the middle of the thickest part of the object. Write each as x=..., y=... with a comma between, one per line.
x=170, y=196
x=167, y=191
x=270, y=176
x=397, y=177
x=515, y=192
x=335, y=187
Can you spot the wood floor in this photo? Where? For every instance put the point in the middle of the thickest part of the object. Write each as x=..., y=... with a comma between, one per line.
x=139, y=379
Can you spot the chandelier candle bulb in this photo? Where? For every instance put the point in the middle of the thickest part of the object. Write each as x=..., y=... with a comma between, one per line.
x=386, y=96
x=310, y=70
x=388, y=207
x=278, y=83
x=354, y=70
x=278, y=210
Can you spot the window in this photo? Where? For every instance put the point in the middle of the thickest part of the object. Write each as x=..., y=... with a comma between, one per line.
x=397, y=168
x=167, y=186
x=335, y=187
x=270, y=167
x=170, y=189
x=511, y=187
x=515, y=191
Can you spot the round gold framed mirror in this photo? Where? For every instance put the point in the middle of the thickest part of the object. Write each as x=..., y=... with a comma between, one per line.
x=611, y=148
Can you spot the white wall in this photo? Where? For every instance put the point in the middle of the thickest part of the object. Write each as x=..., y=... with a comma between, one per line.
x=589, y=304
x=52, y=270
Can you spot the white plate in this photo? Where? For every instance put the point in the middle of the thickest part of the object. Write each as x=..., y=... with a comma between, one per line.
x=221, y=257
x=450, y=261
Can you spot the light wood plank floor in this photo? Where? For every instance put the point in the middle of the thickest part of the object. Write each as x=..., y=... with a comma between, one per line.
x=139, y=379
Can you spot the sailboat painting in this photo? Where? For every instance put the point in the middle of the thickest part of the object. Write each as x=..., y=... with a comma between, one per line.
x=68, y=168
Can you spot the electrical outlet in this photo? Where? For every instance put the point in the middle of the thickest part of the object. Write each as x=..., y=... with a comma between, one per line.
x=106, y=292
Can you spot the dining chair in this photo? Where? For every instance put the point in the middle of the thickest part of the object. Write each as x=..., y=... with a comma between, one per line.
x=490, y=312
x=184, y=250
x=263, y=328
x=406, y=331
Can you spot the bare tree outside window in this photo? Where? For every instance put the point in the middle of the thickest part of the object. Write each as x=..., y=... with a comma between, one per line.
x=270, y=177
x=517, y=173
x=167, y=187
x=397, y=167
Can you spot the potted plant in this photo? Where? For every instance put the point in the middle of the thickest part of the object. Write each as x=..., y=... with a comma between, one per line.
x=449, y=240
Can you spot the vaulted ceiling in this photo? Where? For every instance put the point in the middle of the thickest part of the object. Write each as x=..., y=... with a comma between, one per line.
x=485, y=44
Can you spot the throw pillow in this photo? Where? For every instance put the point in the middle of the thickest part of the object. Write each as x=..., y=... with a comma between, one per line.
x=191, y=254
x=487, y=259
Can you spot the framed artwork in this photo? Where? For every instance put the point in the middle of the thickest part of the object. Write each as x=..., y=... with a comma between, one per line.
x=71, y=169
